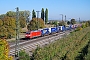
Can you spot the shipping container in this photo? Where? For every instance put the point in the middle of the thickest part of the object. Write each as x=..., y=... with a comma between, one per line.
x=52, y=30
x=45, y=31
x=49, y=30
x=62, y=28
x=58, y=29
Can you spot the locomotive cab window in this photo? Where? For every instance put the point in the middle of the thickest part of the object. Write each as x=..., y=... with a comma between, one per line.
x=27, y=32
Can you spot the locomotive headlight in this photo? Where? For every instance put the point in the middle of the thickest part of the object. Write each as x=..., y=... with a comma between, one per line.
x=28, y=35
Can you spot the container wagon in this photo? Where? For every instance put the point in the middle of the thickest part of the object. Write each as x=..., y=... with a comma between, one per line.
x=45, y=31
x=52, y=30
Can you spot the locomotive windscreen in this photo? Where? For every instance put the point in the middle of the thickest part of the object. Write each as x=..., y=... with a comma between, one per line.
x=27, y=32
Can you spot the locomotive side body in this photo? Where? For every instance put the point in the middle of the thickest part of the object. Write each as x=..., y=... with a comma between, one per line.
x=33, y=34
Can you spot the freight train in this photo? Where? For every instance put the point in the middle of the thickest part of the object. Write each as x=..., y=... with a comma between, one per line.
x=47, y=31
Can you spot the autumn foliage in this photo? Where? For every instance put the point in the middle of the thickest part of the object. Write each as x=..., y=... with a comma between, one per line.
x=8, y=23
x=7, y=27
x=35, y=23
x=4, y=50
x=22, y=22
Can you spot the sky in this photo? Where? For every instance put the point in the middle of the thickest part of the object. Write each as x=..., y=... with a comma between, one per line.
x=71, y=8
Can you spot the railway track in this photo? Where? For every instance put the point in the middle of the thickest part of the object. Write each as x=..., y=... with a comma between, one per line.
x=22, y=41
x=32, y=44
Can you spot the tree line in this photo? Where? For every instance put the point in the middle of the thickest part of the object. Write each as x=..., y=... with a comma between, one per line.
x=61, y=23
x=8, y=23
x=38, y=23
x=44, y=15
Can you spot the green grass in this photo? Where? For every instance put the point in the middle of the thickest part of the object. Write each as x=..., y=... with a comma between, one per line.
x=87, y=57
x=66, y=48
x=24, y=55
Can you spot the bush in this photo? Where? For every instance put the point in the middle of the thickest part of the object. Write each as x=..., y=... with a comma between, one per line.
x=34, y=24
x=66, y=48
x=83, y=26
x=24, y=55
x=78, y=28
x=4, y=50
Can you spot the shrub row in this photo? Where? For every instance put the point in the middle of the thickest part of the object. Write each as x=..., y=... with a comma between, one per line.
x=67, y=48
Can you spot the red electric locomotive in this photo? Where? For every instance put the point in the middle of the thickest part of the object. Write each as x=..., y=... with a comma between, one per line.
x=32, y=34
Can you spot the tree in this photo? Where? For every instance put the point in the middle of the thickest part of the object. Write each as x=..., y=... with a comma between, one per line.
x=22, y=22
x=46, y=16
x=26, y=15
x=68, y=22
x=22, y=14
x=33, y=14
x=42, y=14
x=88, y=22
x=83, y=25
x=3, y=32
x=23, y=17
x=73, y=21
x=4, y=50
x=2, y=16
x=11, y=14
x=8, y=23
x=55, y=23
x=8, y=28
x=61, y=23
x=34, y=24
x=1, y=22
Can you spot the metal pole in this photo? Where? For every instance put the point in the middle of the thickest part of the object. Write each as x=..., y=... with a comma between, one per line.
x=17, y=35
x=37, y=19
x=62, y=16
x=65, y=18
x=79, y=20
